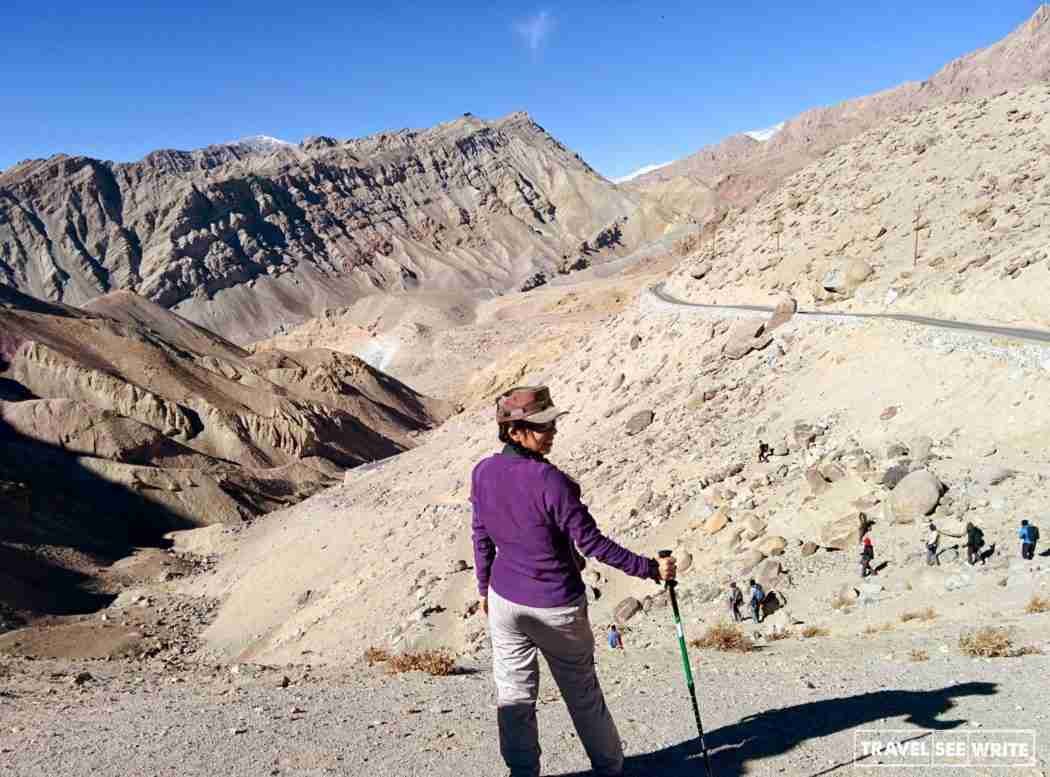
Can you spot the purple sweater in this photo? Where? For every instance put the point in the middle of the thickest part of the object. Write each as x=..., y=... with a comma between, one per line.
x=530, y=512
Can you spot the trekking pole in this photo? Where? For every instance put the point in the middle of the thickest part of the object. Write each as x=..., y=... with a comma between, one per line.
x=670, y=584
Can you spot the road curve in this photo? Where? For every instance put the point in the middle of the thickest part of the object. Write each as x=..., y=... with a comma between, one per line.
x=1030, y=335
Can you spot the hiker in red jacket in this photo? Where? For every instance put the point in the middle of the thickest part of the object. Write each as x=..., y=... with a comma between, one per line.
x=867, y=555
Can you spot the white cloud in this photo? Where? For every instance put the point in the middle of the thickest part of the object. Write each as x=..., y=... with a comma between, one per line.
x=535, y=29
x=639, y=171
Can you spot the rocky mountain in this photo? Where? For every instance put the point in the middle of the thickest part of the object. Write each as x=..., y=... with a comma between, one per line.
x=735, y=171
x=244, y=238
x=126, y=421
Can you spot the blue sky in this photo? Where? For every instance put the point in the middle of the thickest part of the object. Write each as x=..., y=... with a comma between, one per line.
x=623, y=83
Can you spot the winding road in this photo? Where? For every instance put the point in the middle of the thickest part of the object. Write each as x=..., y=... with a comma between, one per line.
x=1016, y=333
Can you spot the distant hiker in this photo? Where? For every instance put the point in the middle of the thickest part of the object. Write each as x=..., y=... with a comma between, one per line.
x=734, y=599
x=864, y=523
x=974, y=543
x=933, y=541
x=867, y=554
x=614, y=638
x=763, y=452
x=527, y=517
x=1029, y=536
x=758, y=596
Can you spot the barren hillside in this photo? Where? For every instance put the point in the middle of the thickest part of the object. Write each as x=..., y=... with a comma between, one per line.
x=737, y=170
x=247, y=238
x=120, y=426
x=942, y=212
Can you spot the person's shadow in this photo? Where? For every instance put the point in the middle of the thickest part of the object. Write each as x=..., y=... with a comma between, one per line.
x=778, y=731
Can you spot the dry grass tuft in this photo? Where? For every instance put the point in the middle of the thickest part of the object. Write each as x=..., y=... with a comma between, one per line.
x=873, y=629
x=776, y=636
x=724, y=637
x=919, y=615
x=376, y=655
x=1038, y=604
x=815, y=631
x=918, y=654
x=991, y=642
x=687, y=245
x=842, y=601
x=438, y=663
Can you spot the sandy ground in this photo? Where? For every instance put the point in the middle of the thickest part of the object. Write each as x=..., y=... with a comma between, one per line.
x=793, y=707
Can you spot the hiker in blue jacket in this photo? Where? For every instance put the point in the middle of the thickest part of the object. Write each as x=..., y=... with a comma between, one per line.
x=758, y=596
x=1029, y=536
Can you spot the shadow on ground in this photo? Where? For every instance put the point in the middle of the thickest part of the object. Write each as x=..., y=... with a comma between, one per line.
x=58, y=521
x=778, y=731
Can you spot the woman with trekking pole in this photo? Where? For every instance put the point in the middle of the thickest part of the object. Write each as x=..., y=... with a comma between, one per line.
x=528, y=524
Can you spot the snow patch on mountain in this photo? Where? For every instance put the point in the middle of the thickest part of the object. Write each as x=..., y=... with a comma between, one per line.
x=639, y=171
x=763, y=135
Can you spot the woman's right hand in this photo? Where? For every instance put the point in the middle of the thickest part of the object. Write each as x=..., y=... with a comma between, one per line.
x=668, y=568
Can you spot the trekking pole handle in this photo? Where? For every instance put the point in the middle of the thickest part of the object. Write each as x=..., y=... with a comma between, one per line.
x=666, y=554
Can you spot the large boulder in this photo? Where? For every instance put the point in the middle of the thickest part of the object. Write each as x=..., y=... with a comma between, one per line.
x=767, y=573
x=915, y=496
x=745, y=336
x=845, y=278
x=841, y=534
x=748, y=560
x=626, y=610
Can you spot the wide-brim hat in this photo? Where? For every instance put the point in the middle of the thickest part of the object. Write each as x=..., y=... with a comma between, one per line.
x=527, y=403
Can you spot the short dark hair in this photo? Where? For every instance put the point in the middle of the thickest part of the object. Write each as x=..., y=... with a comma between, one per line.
x=505, y=428
x=1024, y=522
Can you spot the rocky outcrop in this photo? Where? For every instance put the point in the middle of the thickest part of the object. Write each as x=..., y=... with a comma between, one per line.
x=248, y=237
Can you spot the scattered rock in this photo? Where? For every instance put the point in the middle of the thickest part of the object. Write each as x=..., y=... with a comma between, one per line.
x=749, y=560
x=841, y=534
x=716, y=522
x=772, y=545
x=809, y=548
x=627, y=609
x=892, y=475
x=639, y=422
x=745, y=336
x=459, y=565
x=816, y=482
x=992, y=475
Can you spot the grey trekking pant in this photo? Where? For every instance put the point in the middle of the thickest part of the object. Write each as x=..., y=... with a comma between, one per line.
x=563, y=635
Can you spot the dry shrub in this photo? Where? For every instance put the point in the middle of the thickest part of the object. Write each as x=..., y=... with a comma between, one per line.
x=919, y=615
x=687, y=245
x=1038, y=604
x=991, y=642
x=842, y=601
x=918, y=654
x=376, y=655
x=438, y=663
x=873, y=629
x=815, y=631
x=723, y=636
x=776, y=636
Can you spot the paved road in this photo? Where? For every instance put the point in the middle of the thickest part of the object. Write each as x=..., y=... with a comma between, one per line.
x=1032, y=335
